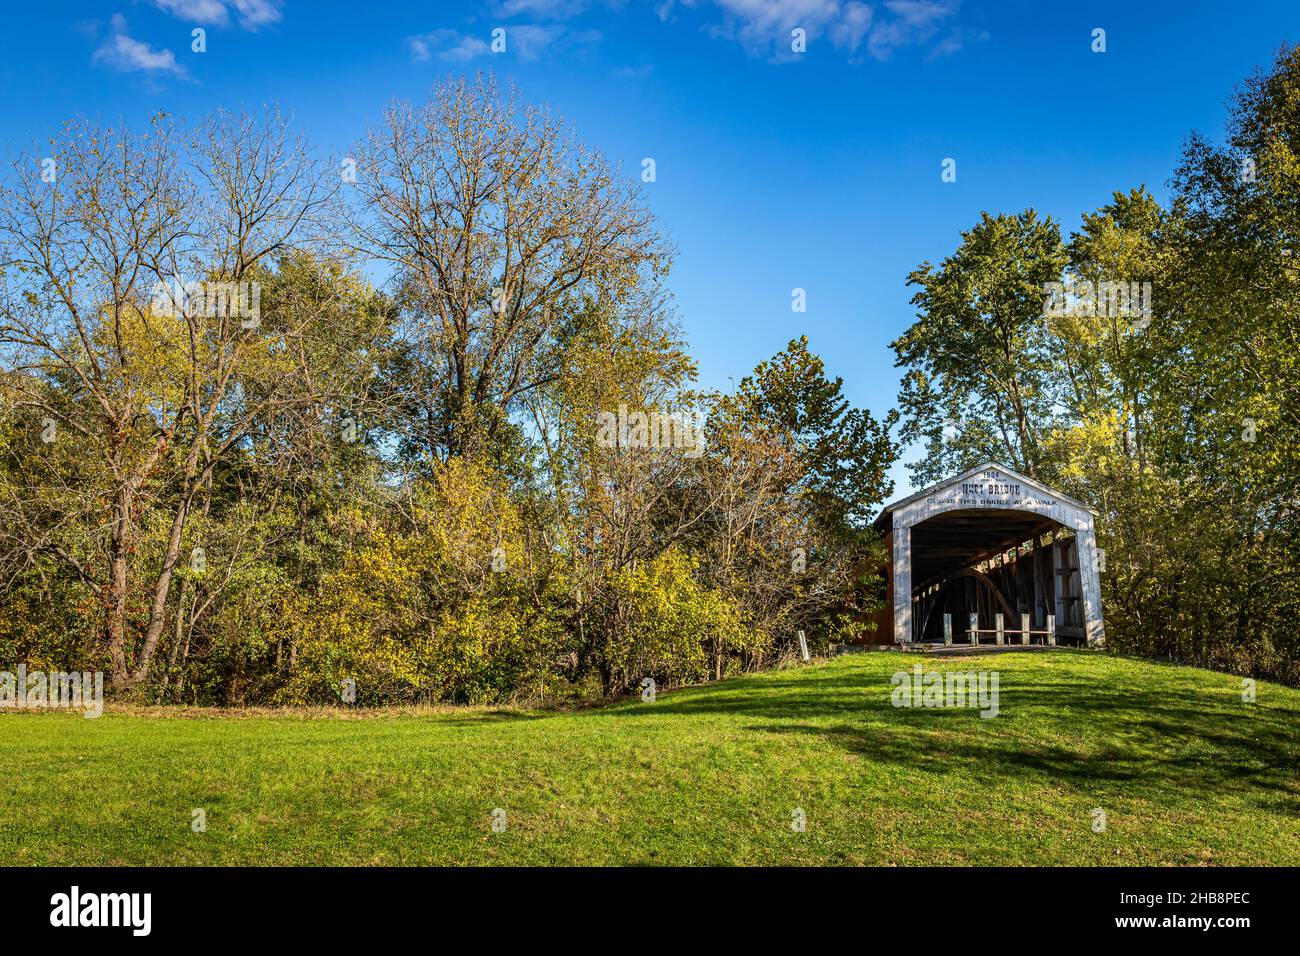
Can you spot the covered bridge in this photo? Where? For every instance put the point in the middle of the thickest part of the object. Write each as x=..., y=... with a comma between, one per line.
x=992, y=556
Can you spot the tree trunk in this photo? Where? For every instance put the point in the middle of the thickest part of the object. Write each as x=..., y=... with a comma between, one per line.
x=161, y=590
x=116, y=593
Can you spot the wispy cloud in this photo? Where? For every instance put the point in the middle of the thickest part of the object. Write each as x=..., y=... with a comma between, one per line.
x=249, y=14
x=527, y=41
x=913, y=23
x=851, y=26
x=761, y=24
x=635, y=72
x=764, y=26
x=955, y=41
x=920, y=14
x=449, y=45
x=125, y=54
x=541, y=9
x=195, y=11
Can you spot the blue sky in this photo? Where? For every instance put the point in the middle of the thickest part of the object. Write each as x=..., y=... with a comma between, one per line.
x=775, y=170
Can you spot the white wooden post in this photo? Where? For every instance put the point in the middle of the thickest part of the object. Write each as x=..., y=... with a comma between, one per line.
x=1051, y=629
x=947, y=629
x=974, y=628
x=1086, y=539
x=902, y=583
x=803, y=647
x=1024, y=628
x=1001, y=630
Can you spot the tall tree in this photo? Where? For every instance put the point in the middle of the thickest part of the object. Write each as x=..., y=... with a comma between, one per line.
x=130, y=317
x=977, y=359
x=496, y=223
x=844, y=452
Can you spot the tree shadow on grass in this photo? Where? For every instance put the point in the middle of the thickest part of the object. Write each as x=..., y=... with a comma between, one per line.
x=480, y=718
x=1141, y=731
x=1249, y=772
x=1200, y=711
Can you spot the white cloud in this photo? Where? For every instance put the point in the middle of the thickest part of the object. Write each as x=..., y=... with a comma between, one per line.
x=852, y=26
x=764, y=26
x=635, y=72
x=920, y=14
x=446, y=45
x=665, y=8
x=526, y=41
x=196, y=11
x=913, y=22
x=250, y=14
x=128, y=55
x=955, y=41
x=759, y=23
x=256, y=13
x=544, y=9
x=530, y=41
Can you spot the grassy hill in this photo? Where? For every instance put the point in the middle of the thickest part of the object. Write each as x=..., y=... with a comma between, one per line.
x=1185, y=771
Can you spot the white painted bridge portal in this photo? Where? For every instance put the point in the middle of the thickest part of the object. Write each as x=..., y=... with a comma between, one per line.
x=996, y=545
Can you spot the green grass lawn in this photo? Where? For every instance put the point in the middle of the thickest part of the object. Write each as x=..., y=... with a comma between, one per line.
x=1185, y=771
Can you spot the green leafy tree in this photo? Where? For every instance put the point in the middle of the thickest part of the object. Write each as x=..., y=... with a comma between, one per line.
x=978, y=363
x=844, y=451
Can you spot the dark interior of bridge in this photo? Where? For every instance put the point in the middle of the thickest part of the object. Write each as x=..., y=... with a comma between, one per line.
x=986, y=562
